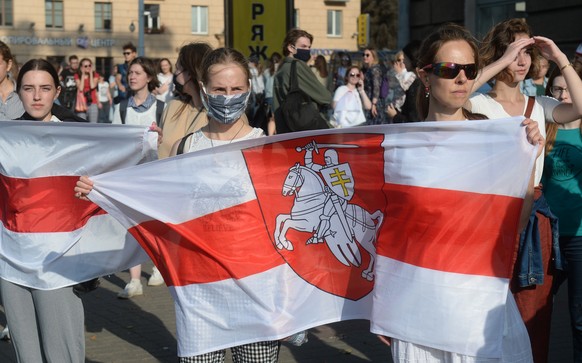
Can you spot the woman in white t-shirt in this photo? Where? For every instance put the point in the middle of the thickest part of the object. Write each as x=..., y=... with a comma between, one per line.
x=105, y=100
x=141, y=109
x=165, y=90
x=350, y=100
x=508, y=51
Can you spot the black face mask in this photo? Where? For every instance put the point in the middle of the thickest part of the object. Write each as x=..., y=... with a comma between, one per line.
x=178, y=86
x=302, y=54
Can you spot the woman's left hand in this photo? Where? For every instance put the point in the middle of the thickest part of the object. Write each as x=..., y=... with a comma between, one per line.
x=533, y=134
x=83, y=188
x=155, y=128
x=550, y=50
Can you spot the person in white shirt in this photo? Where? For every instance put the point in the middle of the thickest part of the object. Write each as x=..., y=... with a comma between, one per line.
x=350, y=100
x=165, y=90
x=141, y=109
x=105, y=100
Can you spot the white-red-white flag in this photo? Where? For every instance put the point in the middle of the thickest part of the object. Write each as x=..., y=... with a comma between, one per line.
x=49, y=238
x=263, y=238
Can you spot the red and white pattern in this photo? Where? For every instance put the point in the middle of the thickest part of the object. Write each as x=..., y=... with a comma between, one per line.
x=49, y=238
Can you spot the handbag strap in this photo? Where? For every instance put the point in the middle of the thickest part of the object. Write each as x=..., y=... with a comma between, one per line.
x=530, y=104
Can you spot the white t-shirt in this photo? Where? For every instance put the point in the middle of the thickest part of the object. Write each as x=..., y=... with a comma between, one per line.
x=348, y=109
x=102, y=89
x=136, y=118
x=542, y=112
x=199, y=141
x=166, y=96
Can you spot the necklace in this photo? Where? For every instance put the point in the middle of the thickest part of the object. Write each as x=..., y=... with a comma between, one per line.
x=235, y=135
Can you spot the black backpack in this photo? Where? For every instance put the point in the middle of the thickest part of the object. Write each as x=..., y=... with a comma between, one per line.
x=298, y=110
x=159, y=111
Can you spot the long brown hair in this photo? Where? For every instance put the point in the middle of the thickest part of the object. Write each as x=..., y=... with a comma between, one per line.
x=321, y=66
x=552, y=127
x=499, y=38
x=427, y=53
x=190, y=59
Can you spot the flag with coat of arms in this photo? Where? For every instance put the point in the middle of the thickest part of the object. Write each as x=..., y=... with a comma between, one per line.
x=263, y=238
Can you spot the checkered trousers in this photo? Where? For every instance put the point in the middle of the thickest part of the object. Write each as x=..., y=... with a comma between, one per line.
x=260, y=352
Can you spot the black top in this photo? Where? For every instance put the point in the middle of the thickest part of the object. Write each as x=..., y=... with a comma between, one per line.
x=60, y=112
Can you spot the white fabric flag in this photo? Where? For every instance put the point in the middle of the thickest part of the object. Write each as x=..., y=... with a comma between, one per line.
x=263, y=238
x=48, y=238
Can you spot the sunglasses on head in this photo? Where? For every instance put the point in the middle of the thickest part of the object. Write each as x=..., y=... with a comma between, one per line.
x=451, y=70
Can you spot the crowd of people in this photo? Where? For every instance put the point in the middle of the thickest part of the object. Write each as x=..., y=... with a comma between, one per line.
x=218, y=96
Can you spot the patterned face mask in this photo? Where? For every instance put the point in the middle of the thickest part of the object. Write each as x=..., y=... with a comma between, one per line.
x=222, y=108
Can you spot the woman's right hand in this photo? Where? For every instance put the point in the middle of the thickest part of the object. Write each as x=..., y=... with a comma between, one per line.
x=83, y=188
x=385, y=340
x=514, y=48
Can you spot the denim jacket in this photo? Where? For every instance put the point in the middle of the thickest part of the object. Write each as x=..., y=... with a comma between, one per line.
x=529, y=259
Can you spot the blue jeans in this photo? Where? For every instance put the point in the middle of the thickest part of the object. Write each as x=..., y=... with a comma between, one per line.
x=572, y=253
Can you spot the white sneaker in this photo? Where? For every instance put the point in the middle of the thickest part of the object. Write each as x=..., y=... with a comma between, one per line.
x=132, y=289
x=5, y=335
x=156, y=278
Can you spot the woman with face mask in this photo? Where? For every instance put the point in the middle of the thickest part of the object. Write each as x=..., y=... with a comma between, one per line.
x=184, y=114
x=224, y=90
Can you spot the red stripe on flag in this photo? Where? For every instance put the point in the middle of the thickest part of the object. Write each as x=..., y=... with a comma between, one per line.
x=43, y=205
x=230, y=243
x=449, y=230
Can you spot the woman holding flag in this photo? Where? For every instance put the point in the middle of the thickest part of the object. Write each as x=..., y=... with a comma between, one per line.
x=45, y=325
x=224, y=90
x=447, y=68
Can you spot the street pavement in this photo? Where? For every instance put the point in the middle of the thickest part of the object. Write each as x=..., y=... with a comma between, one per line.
x=143, y=329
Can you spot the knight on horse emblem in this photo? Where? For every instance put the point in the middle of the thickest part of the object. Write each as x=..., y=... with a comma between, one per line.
x=322, y=207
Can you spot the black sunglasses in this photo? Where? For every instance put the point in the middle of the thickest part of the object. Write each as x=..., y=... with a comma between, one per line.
x=451, y=70
x=126, y=53
x=354, y=74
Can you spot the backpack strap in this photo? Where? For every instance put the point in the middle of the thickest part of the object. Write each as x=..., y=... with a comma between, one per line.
x=293, y=83
x=182, y=143
x=159, y=111
x=530, y=105
x=123, y=110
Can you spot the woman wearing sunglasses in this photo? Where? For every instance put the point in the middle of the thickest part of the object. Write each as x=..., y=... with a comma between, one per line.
x=562, y=181
x=350, y=100
x=447, y=67
x=373, y=76
x=508, y=50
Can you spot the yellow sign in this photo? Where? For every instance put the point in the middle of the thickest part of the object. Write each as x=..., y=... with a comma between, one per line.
x=258, y=27
x=363, y=30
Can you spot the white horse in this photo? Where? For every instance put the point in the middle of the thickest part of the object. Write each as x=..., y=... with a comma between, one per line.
x=308, y=188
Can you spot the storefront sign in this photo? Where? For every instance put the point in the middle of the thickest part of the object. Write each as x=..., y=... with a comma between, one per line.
x=82, y=42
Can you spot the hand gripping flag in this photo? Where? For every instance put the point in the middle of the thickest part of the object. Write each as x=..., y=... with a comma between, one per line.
x=48, y=238
x=262, y=238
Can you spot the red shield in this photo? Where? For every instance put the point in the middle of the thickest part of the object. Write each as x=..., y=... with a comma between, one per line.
x=269, y=167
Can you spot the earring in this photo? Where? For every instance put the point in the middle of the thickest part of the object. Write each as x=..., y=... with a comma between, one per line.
x=426, y=91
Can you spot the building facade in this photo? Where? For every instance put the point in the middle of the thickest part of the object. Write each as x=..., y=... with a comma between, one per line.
x=557, y=20
x=56, y=29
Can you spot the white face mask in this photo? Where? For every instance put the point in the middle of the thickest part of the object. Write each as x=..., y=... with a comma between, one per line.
x=225, y=109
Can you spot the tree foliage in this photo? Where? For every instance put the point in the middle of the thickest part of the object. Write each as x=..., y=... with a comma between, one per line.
x=383, y=22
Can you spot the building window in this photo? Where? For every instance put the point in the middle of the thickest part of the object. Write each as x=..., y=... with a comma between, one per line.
x=54, y=13
x=103, y=16
x=6, y=13
x=334, y=23
x=200, y=19
x=104, y=66
x=151, y=15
